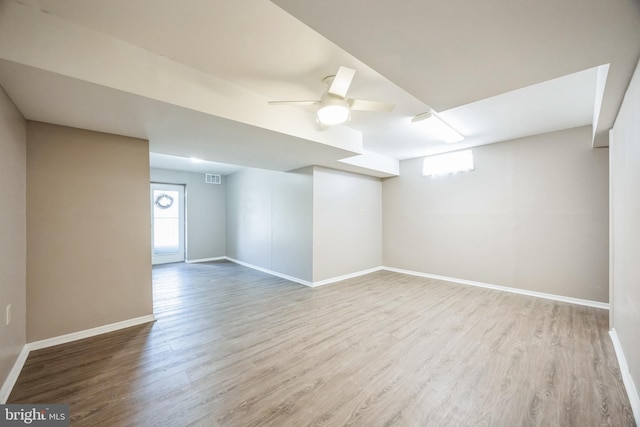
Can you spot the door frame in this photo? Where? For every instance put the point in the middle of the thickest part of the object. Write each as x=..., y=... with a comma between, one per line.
x=181, y=256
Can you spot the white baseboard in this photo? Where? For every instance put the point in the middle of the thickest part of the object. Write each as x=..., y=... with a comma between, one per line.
x=63, y=339
x=306, y=282
x=632, y=391
x=271, y=272
x=194, y=261
x=11, y=379
x=554, y=297
x=346, y=276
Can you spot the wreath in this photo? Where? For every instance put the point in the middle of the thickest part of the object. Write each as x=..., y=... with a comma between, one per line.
x=164, y=201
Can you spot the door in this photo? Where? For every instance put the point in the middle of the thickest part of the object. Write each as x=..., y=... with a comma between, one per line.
x=167, y=223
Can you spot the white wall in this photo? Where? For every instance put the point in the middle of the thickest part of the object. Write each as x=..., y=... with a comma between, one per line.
x=291, y=223
x=312, y=224
x=347, y=223
x=269, y=220
x=206, y=224
x=625, y=230
x=532, y=215
x=13, y=234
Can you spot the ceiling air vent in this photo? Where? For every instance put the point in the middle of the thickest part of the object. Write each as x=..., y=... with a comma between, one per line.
x=211, y=178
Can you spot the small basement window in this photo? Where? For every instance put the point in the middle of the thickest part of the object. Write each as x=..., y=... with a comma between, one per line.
x=442, y=164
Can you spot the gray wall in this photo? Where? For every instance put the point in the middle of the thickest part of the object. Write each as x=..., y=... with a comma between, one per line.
x=206, y=213
x=13, y=234
x=347, y=223
x=625, y=232
x=533, y=215
x=269, y=220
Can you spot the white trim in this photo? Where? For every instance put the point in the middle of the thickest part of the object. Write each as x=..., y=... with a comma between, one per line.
x=627, y=380
x=271, y=272
x=561, y=298
x=63, y=339
x=554, y=297
x=194, y=261
x=306, y=282
x=346, y=276
x=612, y=227
x=11, y=379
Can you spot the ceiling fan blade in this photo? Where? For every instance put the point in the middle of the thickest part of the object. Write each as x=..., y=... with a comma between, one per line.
x=341, y=82
x=362, y=105
x=294, y=102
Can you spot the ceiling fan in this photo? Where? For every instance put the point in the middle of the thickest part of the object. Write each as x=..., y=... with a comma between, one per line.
x=334, y=107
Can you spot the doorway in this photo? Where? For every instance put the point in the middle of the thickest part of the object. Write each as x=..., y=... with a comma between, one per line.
x=167, y=223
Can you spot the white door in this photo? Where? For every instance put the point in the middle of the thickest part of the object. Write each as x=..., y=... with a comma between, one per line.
x=167, y=223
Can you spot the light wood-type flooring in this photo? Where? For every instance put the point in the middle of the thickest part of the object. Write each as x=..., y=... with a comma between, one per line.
x=235, y=347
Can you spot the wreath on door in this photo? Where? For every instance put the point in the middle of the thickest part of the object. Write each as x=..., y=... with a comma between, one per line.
x=164, y=201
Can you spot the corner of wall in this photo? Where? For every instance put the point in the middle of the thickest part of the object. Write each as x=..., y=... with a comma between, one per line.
x=13, y=170
x=627, y=379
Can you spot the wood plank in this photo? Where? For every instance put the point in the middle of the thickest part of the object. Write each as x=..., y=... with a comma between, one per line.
x=233, y=346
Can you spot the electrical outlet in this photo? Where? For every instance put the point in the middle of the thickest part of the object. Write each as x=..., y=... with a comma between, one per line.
x=8, y=314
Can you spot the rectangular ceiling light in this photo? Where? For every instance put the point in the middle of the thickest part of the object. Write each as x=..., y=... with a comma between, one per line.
x=458, y=161
x=435, y=128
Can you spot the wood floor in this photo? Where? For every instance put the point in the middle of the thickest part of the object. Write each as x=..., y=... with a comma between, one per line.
x=236, y=347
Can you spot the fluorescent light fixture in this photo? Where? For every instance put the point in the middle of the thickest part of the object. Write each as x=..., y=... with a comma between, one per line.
x=435, y=128
x=442, y=164
x=333, y=110
x=196, y=160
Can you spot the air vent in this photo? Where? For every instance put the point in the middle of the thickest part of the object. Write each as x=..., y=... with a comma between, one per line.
x=211, y=178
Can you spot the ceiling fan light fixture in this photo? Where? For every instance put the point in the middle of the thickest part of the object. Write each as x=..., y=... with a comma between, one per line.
x=334, y=106
x=333, y=114
x=333, y=110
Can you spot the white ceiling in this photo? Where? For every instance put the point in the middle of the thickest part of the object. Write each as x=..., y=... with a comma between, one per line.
x=194, y=76
x=453, y=53
x=165, y=161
